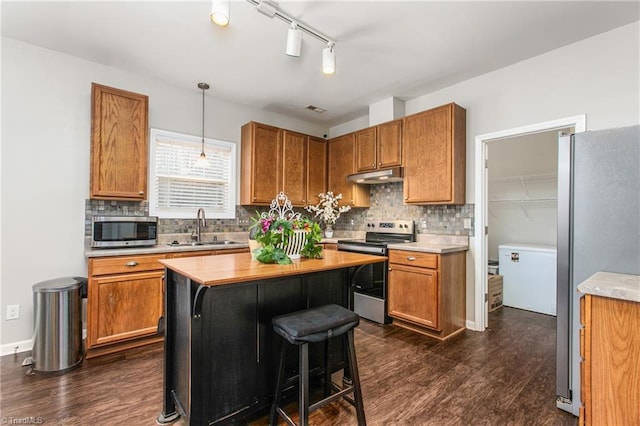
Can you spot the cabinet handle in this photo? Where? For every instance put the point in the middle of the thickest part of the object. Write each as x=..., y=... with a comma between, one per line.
x=379, y=164
x=373, y=165
x=140, y=192
x=131, y=264
x=389, y=268
x=411, y=258
x=254, y=198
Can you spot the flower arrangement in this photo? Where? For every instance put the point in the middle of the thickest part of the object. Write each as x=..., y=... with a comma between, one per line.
x=275, y=233
x=327, y=209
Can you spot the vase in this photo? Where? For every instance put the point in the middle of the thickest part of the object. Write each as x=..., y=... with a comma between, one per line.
x=328, y=231
x=295, y=244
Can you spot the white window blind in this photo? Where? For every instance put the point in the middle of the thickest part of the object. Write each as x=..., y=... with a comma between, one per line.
x=180, y=187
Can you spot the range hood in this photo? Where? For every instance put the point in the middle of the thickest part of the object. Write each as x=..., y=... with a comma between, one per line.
x=394, y=174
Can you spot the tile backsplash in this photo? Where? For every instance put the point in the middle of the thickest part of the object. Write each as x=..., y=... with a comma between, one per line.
x=386, y=203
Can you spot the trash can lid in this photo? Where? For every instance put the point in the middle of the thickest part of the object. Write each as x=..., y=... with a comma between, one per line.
x=59, y=284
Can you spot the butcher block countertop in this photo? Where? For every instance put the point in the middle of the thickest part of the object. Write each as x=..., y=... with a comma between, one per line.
x=235, y=268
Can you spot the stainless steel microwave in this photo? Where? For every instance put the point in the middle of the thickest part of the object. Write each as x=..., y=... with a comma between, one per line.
x=124, y=231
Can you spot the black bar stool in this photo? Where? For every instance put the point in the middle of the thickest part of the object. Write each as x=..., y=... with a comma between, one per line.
x=310, y=326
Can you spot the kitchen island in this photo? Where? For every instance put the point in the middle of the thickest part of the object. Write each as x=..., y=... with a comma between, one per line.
x=220, y=349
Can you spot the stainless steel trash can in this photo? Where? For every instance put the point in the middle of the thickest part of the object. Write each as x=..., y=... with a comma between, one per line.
x=57, y=342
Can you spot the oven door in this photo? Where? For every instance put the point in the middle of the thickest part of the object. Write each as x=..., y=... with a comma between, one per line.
x=369, y=284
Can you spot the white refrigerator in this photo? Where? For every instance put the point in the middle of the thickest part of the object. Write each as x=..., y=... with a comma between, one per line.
x=598, y=230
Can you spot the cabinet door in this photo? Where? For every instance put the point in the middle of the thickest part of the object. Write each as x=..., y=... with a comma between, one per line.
x=261, y=164
x=316, y=168
x=366, y=149
x=413, y=295
x=389, y=137
x=341, y=164
x=294, y=177
x=434, y=156
x=124, y=306
x=118, y=144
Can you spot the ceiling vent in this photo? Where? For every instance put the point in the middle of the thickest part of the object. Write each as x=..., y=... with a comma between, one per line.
x=315, y=109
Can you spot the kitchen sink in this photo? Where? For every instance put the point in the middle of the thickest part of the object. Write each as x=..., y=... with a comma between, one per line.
x=203, y=243
x=220, y=243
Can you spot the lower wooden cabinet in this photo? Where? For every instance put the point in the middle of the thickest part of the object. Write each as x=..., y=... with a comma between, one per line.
x=609, y=372
x=125, y=299
x=124, y=302
x=427, y=292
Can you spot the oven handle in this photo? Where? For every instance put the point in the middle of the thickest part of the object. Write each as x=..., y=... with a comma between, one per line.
x=362, y=249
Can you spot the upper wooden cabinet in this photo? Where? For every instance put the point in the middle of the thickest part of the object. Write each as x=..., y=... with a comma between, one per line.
x=379, y=147
x=316, y=168
x=261, y=164
x=341, y=165
x=294, y=167
x=434, y=144
x=119, y=129
x=275, y=160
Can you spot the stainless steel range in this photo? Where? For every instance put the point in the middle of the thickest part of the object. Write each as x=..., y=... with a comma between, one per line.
x=370, y=281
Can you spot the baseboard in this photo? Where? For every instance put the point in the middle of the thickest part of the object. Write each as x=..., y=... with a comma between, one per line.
x=471, y=325
x=24, y=346
x=16, y=347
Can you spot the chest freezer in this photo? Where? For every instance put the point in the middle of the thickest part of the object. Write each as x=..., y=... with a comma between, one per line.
x=529, y=274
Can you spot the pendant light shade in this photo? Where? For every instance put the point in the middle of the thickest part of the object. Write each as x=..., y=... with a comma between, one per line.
x=294, y=40
x=220, y=12
x=328, y=60
x=202, y=161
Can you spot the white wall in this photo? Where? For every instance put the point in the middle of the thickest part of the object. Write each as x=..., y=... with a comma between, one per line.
x=46, y=105
x=599, y=77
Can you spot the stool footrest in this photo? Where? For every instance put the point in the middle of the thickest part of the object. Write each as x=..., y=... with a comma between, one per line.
x=331, y=398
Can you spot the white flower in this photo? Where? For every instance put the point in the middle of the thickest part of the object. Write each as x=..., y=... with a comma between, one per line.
x=327, y=209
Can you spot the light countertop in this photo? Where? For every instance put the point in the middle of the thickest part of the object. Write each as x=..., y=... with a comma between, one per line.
x=615, y=286
x=427, y=247
x=159, y=248
x=431, y=243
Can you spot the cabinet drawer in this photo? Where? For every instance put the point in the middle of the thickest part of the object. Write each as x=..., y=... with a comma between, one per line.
x=125, y=264
x=414, y=258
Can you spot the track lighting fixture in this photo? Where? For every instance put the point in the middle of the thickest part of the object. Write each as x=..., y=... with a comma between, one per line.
x=328, y=59
x=202, y=161
x=220, y=12
x=294, y=35
x=294, y=40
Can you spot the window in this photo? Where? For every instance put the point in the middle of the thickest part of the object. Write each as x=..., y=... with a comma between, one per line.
x=179, y=187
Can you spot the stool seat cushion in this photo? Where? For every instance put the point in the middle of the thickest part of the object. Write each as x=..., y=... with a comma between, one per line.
x=315, y=324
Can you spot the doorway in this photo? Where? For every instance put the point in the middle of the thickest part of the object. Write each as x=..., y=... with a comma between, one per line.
x=481, y=246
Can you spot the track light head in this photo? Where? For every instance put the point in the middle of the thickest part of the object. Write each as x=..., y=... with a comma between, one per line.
x=268, y=8
x=294, y=40
x=329, y=59
x=220, y=12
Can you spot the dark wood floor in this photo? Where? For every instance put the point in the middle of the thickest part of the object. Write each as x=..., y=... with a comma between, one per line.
x=503, y=376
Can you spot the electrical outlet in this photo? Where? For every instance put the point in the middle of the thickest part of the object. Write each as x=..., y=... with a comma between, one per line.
x=467, y=223
x=423, y=225
x=13, y=312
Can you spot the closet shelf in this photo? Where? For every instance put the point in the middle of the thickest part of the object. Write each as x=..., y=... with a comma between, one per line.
x=543, y=176
x=525, y=200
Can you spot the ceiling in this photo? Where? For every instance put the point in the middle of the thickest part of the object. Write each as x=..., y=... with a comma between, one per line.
x=383, y=49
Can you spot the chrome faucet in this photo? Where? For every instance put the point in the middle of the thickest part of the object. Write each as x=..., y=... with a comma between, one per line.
x=200, y=222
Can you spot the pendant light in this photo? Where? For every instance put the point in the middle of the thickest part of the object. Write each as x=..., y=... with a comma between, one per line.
x=202, y=161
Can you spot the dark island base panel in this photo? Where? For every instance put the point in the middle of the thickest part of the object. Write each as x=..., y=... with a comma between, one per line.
x=232, y=353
